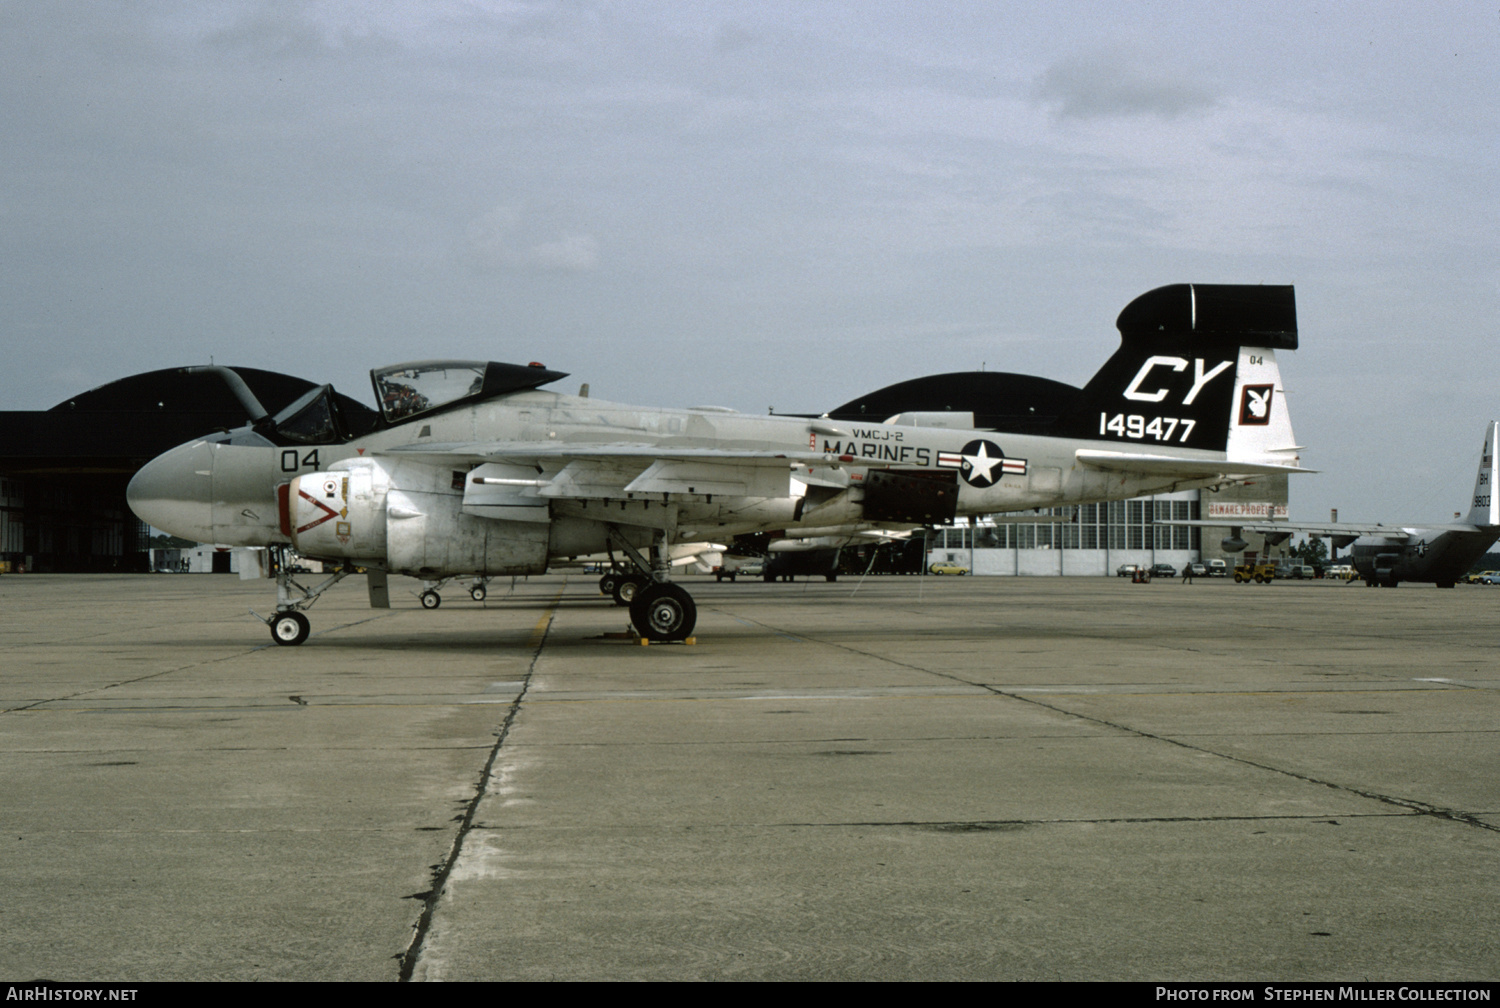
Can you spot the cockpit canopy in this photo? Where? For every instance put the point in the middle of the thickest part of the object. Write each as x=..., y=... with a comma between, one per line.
x=417, y=388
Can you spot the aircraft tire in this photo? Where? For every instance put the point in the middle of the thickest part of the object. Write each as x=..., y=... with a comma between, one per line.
x=663, y=612
x=431, y=599
x=627, y=587
x=477, y=593
x=290, y=628
x=607, y=584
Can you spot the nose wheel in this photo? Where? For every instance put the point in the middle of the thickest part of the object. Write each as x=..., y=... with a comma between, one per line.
x=290, y=628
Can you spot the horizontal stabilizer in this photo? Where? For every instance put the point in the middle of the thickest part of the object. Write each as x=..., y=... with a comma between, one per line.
x=1167, y=465
x=1353, y=529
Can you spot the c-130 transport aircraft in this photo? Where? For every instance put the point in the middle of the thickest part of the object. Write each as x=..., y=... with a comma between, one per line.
x=473, y=469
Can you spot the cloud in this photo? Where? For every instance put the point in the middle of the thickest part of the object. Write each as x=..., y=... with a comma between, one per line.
x=1112, y=86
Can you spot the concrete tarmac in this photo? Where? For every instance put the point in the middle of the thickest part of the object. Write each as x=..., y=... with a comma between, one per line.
x=905, y=779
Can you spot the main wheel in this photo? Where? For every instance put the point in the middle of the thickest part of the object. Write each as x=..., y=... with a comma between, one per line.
x=477, y=593
x=607, y=584
x=663, y=612
x=627, y=587
x=290, y=628
x=431, y=599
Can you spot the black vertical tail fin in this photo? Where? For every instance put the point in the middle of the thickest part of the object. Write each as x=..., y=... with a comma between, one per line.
x=1196, y=368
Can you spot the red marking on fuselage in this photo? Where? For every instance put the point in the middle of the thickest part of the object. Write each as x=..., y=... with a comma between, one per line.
x=331, y=513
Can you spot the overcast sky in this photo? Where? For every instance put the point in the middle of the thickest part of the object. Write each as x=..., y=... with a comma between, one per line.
x=763, y=204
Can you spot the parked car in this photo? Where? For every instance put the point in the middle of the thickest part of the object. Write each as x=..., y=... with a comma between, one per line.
x=1197, y=569
x=1125, y=570
x=1165, y=570
x=1478, y=577
x=947, y=567
x=1217, y=568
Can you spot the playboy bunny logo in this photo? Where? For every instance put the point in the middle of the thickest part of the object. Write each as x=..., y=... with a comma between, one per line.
x=1255, y=404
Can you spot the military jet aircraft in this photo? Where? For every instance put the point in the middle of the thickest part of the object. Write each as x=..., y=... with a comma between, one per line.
x=1386, y=555
x=473, y=469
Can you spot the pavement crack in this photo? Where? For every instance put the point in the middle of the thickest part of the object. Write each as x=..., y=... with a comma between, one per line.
x=444, y=870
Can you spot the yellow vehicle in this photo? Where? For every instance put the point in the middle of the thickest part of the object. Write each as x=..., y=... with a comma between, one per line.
x=1260, y=573
x=948, y=567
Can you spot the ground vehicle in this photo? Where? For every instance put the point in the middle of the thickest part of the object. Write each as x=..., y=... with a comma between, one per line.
x=947, y=567
x=1163, y=570
x=1217, y=568
x=729, y=570
x=1196, y=570
x=1478, y=577
x=1126, y=570
x=1260, y=573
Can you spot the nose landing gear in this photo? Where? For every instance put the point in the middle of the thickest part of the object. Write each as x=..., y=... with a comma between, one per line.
x=289, y=625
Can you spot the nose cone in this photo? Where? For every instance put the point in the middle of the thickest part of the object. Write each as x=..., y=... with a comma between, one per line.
x=174, y=492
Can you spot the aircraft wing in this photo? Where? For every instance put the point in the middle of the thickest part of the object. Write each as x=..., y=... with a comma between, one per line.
x=540, y=451
x=1170, y=465
x=549, y=469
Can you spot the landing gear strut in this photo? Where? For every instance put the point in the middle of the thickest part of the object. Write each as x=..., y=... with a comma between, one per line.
x=289, y=626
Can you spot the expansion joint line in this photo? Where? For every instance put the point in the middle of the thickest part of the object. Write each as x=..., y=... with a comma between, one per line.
x=440, y=876
x=1420, y=808
x=1410, y=805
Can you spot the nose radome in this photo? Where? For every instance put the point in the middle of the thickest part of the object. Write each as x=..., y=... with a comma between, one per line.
x=174, y=492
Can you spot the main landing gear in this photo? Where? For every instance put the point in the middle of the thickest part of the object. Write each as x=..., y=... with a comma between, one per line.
x=659, y=610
